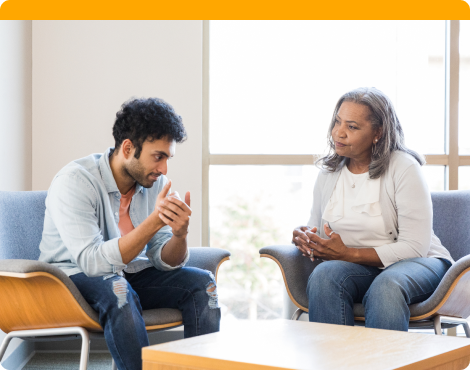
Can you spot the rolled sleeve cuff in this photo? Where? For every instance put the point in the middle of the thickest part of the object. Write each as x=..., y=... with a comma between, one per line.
x=386, y=255
x=161, y=265
x=111, y=252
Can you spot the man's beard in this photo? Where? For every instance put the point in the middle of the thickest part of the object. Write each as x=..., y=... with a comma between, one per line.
x=137, y=172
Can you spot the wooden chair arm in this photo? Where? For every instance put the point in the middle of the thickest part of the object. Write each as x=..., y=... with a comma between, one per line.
x=39, y=300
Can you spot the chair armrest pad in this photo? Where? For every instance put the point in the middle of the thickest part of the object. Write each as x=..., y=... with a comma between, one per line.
x=296, y=270
x=27, y=266
x=206, y=258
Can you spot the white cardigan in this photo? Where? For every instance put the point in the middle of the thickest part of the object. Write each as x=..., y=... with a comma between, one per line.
x=406, y=210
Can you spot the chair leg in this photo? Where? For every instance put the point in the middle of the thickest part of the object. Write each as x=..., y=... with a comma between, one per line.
x=5, y=344
x=297, y=314
x=450, y=320
x=114, y=367
x=437, y=325
x=52, y=332
x=84, y=355
x=467, y=329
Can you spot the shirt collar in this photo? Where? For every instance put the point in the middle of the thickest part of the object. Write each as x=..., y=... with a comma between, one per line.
x=107, y=174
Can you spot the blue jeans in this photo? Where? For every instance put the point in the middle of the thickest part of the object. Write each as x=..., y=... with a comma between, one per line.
x=119, y=303
x=334, y=287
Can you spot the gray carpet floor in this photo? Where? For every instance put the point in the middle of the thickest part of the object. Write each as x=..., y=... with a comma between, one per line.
x=67, y=361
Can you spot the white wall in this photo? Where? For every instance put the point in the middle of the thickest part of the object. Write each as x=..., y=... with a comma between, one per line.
x=15, y=114
x=15, y=105
x=84, y=70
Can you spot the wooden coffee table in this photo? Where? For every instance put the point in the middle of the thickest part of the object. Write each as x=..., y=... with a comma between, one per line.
x=285, y=344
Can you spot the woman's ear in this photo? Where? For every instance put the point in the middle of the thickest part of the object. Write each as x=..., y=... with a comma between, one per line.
x=378, y=135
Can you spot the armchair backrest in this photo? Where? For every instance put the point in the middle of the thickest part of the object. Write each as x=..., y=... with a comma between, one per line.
x=451, y=220
x=21, y=223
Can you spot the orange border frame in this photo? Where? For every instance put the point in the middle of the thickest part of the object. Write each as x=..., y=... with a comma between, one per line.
x=242, y=9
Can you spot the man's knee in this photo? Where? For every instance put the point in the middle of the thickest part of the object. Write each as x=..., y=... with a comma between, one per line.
x=121, y=291
x=204, y=281
x=120, y=296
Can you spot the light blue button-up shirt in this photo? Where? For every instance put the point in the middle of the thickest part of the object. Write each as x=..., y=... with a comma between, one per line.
x=81, y=230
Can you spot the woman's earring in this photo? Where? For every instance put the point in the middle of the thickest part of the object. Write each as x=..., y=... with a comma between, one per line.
x=374, y=148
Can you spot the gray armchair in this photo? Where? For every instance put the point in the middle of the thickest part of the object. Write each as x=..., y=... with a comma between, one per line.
x=449, y=305
x=39, y=301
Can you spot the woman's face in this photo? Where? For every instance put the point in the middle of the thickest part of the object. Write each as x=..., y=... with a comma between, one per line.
x=353, y=133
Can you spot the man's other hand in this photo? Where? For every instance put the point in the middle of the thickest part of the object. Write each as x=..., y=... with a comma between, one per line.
x=176, y=213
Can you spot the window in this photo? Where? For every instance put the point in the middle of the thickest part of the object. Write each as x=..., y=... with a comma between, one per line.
x=464, y=89
x=271, y=87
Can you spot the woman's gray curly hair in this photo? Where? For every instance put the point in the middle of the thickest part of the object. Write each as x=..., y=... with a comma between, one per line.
x=382, y=115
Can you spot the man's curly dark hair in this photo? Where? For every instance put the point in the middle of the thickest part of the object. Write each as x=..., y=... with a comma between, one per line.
x=147, y=119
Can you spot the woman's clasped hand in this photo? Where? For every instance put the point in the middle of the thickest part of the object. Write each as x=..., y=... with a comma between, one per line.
x=313, y=246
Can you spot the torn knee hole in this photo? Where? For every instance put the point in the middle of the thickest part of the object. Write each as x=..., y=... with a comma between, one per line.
x=211, y=291
x=120, y=290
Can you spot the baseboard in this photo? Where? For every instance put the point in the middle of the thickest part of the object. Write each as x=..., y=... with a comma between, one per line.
x=19, y=357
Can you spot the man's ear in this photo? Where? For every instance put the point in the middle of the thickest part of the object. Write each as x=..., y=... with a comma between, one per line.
x=127, y=149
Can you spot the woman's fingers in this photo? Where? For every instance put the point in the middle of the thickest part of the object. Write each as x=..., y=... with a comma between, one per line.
x=299, y=235
x=301, y=240
x=327, y=230
x=314, y=238
x=301, y=245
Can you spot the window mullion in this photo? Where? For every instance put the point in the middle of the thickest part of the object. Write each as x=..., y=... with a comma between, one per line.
x=452, y=101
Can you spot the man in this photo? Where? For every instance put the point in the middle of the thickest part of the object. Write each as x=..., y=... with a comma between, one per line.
x=111, y=227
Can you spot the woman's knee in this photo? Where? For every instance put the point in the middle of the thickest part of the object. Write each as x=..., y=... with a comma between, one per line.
x=386, y=290
x=326, y=276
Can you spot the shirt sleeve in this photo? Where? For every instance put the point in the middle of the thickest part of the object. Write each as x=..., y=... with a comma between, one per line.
x=414, y=211
x=155, y=247
x=72, y=203
x=315, y=213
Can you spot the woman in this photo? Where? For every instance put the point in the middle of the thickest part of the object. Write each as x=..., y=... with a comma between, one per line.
x=371, y=220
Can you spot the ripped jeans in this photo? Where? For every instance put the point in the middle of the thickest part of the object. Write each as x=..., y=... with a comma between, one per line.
x=119, y=303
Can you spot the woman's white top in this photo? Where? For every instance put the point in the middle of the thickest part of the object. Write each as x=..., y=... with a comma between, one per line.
x=392, y=214
x=354, y=210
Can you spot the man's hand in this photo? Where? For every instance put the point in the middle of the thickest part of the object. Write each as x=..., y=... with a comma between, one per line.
x=132, y=244
x=175, y=213
x=162, y=195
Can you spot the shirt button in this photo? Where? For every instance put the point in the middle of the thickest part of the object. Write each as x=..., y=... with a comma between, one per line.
x=390, y=233
x=395, y=239
x=115, y=214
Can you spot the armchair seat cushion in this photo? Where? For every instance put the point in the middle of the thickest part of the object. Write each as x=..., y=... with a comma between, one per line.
x=161, y=316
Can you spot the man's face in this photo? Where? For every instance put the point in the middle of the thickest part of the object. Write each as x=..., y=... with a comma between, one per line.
x=152, y=163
